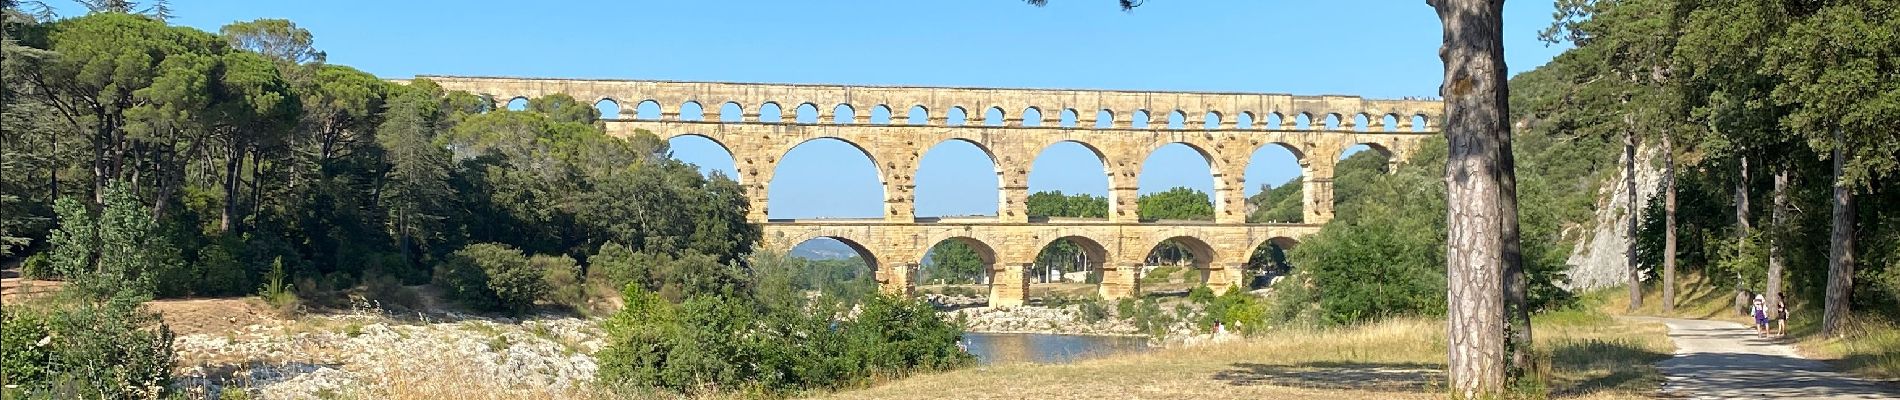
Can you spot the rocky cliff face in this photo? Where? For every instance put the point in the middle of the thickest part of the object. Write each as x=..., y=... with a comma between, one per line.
x=1599, y=259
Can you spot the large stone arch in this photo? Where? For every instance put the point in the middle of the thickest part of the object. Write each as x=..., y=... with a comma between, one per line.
x=1003, y=179
x=992, y=270
x=1098, y=256
x=1225, y=207
x=1119, y=178
x=788, y=144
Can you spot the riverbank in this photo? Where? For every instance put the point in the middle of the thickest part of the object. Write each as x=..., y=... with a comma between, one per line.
x=1590, y=356
x=236, y=344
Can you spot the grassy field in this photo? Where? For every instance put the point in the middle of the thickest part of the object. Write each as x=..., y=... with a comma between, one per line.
x=1589, y=356
x=1870, y=346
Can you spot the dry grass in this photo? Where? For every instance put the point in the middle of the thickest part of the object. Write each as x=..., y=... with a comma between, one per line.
x=1869, y=348
x=1592, y=357
x=1698, y=298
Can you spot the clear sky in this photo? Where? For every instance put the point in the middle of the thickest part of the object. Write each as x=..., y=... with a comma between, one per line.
x=1371, y=48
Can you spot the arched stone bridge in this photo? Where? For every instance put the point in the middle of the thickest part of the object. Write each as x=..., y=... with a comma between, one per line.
x=1225, y=128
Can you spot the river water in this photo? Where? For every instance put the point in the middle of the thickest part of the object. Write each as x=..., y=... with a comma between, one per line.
x=992, y=348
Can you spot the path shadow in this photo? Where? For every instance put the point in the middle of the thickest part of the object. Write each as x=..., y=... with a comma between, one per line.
x=1387, y=377
x=1737, y=375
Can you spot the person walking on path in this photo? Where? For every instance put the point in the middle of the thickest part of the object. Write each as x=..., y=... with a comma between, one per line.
x=1781, y=315
x=1760, y=312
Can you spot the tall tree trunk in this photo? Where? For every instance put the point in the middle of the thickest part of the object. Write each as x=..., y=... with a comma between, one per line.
x=1840, y=254
x=1743, y=230
x=233, y=162
x=1516, y=282
x=1669, y=223
x=99, y=171
x=1478, y=175
x=1630, y=210
x=257, y=183
x=1776, y=260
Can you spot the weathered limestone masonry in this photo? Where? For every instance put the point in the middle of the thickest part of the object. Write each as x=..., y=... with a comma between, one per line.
x=896, y=243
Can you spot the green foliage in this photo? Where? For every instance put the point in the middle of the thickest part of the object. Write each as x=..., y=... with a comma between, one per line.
x=564, y=108
x=491, y=276
x=25, y=360
x=1845, y=98
x=675, y=278
x=1236, y=310
x=276, y=291
x=37, y=266
x=1201, y=294
x=1177, y=204
x=119, y=250
x=219, y=272
x=563, y=277
x=110, y=349
x=1162, y=274
x=1147, y=316
x=727, y=343
x=1056, y=204
x=1283, y=204
x=954, y=262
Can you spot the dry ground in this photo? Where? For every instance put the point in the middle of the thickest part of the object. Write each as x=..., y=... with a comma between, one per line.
x=1592, y=356
x=1870, y=346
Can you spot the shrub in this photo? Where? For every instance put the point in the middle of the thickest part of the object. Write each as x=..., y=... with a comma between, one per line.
x=1239, y=311
x=674, y=278
x=714, y=343
x=563, y=278
x=276, y=291
x=388, y=290
x=89, y=350
x=1201, y=295
x=490, y=276
x=896, y=335
x=120, y=249
x=219, y=272
x=1094, y=311
x=25, y=359
x=38, y=266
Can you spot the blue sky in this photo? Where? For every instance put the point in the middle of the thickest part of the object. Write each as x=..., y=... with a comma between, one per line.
x=1372, y=48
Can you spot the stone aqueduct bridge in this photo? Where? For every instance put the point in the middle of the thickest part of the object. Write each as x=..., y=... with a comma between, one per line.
x=895, y=244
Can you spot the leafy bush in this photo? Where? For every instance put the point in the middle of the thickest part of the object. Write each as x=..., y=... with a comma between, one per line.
x=388, y=290
x=38, y=266
x=721, y=343
x=1094, y=311
x=219, y=272
x=24, y=360
x=563, y=277
x=674, y=278
x=88, y=350
x=490, y=276
x=1201, y=294
x=1237, y=310
x=120, y=249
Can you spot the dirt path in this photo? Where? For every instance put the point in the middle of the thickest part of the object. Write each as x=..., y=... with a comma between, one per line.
x=1726, y=360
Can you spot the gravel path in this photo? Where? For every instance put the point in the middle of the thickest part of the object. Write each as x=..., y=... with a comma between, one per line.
x=1726, y=360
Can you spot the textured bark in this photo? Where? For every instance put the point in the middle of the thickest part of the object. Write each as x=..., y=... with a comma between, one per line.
x=1669, y=224
x=1477, y=176
x=1777, y=262
x=1631, y=208
x=1742, y=230
x=1840, y=254
x=233, y=163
